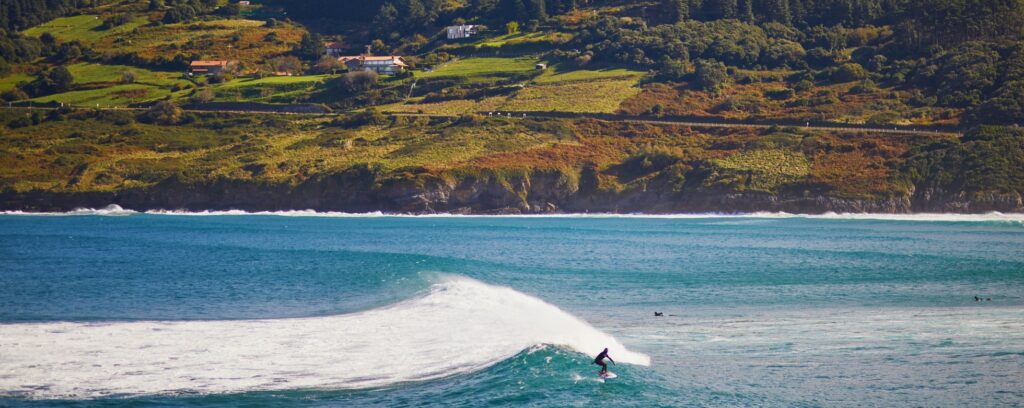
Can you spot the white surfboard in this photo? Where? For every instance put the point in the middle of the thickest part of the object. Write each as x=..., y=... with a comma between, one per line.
x=609, y=375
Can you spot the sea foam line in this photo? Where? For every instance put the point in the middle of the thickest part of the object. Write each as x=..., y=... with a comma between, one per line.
x=116, y=210
x=460, y=326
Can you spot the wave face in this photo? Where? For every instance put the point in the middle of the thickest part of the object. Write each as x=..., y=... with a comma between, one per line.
x=460, y=326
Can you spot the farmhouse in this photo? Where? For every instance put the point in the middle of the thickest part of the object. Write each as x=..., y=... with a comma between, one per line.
x=388, y=65
x=458, y=32
x=333, y=49
x=207, y=67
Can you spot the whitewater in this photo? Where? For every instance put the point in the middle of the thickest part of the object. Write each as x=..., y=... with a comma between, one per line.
x=116, y=210
x=461, y=326
x=113, y=307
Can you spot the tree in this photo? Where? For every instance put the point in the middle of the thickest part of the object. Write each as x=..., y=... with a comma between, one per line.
x=413, y=14
x=286, y=63
x=512, y=27
x=778, y=11
x=230, y=10
x=849, y=72
x=60, y=79
x=536, y=10
x=328, y=65
x=385, y=19
x=179, y=14
x=201, y=96
x=711, y=75
x=747, y=11
x=1005, y=107
x=311, y=47
x=723, y=9
x=156, y=4
x=117, y=20
x=677, y=11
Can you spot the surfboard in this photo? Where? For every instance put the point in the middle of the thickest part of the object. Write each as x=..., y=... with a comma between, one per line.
x=609, y=375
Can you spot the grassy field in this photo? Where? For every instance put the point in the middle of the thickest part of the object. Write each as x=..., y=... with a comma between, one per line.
x=523, y=38
x=113, y=96
x=556, y=74
x=268, y=89
x=9, y=82
x=762, y=169
x=577, y=91
x=275, y=81
x=598, y=96
x=89, y=73
x=247, y=41
x=482, y=70
x=84, y=28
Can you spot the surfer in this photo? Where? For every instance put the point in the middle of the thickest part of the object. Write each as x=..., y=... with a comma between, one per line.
x=600, y=361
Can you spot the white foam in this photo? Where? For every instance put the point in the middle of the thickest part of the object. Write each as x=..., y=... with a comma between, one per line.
x=461, y=326
x=115, y=210
x=110, y=210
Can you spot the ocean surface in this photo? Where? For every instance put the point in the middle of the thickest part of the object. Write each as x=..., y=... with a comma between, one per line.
x=117, y=308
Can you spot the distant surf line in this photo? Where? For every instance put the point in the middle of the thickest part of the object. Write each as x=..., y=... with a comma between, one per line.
x=116, y=210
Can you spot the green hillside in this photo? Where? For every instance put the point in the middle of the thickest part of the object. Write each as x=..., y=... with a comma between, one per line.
x=877, y=64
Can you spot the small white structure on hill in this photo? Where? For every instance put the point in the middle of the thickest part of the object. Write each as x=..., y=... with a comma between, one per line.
x=458, y=32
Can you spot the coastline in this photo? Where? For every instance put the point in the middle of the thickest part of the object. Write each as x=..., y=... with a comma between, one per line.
x=532, y=195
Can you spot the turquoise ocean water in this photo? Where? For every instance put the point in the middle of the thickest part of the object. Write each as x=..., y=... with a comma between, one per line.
x=114, y=308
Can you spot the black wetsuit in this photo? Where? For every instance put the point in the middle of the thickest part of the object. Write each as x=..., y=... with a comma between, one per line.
x=600, y=361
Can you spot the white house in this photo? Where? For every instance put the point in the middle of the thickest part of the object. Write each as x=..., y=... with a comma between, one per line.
x=388, y=65
x=457, y=32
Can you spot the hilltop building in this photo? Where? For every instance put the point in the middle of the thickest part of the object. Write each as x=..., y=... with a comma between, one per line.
x=458, y=32
x=207, y=67
x=384, y=65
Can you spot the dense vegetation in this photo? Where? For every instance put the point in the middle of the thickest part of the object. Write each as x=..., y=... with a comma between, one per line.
x=927, y=63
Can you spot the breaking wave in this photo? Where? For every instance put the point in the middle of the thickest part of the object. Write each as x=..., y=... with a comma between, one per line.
x=459, y=326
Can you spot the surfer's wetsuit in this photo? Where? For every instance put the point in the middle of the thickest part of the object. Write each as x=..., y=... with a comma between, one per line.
x=600, y=361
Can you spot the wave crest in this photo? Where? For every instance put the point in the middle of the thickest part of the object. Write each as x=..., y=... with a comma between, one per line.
x=460, y=326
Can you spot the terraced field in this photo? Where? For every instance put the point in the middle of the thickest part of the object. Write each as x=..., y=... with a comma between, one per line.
x=482, y=70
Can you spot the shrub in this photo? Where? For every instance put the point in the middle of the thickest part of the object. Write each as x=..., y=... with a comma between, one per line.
x=20, y=122
x=849, y=72
x=711, y=75
x=164, y=113
x=779, y=94
x=358, y=81
x=367, y=117
x=15, y=94
x=865, y=86
x=204, y=95
x=803, y=86
x=117, y=20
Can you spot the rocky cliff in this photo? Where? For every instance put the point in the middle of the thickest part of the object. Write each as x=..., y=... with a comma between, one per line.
x=528, y=193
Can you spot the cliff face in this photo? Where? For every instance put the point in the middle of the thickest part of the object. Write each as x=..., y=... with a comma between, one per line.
x=529, y=193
